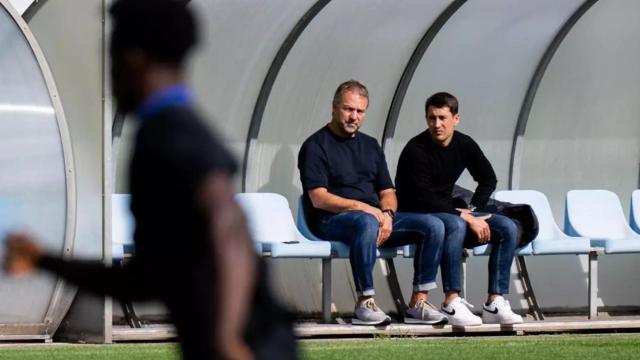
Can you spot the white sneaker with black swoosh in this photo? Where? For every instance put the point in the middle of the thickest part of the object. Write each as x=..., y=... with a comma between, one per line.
x=499, y=312
x=458, y=313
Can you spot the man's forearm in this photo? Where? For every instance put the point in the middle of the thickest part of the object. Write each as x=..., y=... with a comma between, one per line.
x=97, y=278
x=234, y=258
x=482, y=194
x=322, y=199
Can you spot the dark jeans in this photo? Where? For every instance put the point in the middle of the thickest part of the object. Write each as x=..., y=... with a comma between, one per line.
x=503, y=242
x=359, y=230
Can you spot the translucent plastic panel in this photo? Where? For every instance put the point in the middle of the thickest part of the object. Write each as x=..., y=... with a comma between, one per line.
x=240, y=38
x=32, y=172
x=485, y=55
x=584, y=133
x=584, y=127
x=370, y=41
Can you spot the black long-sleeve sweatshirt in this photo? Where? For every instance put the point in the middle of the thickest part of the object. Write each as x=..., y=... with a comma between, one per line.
x=427, y=173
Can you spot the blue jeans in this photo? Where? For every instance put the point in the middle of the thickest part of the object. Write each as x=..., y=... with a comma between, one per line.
x=504, y=237
x=359, y=230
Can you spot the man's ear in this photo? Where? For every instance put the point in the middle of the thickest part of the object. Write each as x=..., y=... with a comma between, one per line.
x=456, y=119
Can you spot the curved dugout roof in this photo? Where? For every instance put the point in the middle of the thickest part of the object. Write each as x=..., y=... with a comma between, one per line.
x=242, y=39
x=583, y=130
x=486, y=52
x=36, y=176
x=485, y=55
x=366, y=40
x=239, y=41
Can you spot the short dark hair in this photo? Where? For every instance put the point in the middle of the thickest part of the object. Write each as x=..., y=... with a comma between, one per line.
x=350, y=85
x=164, y=29
x=440, y=100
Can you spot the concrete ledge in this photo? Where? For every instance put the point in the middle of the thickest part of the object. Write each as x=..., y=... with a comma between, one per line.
x=304, y=330
x=328, y=330
x=149, y=333
x=9, y=338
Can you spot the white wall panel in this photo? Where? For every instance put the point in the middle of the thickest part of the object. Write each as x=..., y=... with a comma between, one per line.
x=485, y=55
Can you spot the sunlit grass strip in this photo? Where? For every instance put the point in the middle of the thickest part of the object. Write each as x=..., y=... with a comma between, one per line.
x=556, y=347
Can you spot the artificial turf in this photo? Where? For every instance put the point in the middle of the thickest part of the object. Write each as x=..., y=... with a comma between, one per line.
x=554, y=347
x=583, y=347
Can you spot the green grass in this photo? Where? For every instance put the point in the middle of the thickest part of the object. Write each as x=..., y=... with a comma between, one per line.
x=584, y=347
x=548, y=347
x=73, y=352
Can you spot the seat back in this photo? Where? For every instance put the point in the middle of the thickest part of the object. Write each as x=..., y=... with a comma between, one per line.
x=596, y=214
x=269, y=217
x=540, y=205
x=122, y=225
x=635, y=211
x=301, y=221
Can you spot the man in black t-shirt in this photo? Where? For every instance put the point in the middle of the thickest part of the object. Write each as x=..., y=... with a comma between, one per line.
x=193, y=249
x=428, y=168
x=349, y=197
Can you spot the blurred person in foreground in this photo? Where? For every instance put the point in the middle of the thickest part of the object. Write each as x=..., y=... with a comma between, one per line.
x=193, y=249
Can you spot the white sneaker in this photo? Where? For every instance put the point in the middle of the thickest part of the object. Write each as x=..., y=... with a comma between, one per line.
x=499, y=312
x=423, y=312
x=368, y=313
x=459, y=314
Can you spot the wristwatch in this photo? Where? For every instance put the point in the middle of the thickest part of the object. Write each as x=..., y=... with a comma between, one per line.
x=390, y=212
x=471, y=207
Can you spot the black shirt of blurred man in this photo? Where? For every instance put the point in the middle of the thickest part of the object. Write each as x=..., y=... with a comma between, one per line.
x=193, y=249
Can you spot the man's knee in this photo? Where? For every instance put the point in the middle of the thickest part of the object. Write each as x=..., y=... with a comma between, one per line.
x=454, y=223
x=432, y=227
x=506, y=227
x=366, y=224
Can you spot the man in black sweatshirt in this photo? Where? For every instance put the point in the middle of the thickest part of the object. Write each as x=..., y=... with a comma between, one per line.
x=428, y=168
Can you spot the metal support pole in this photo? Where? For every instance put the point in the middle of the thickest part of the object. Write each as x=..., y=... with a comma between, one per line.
x=529, y=295
x=394, y=288
x=463, y=269
x=326, y=290
x=593, y=284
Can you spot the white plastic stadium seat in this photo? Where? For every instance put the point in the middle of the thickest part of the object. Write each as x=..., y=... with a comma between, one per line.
x=550, y=240
x=122, y=226
x=598, y=215
x=271, y=225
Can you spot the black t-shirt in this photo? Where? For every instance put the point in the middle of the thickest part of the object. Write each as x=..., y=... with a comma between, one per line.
x=352, y=168
x=427, y=173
